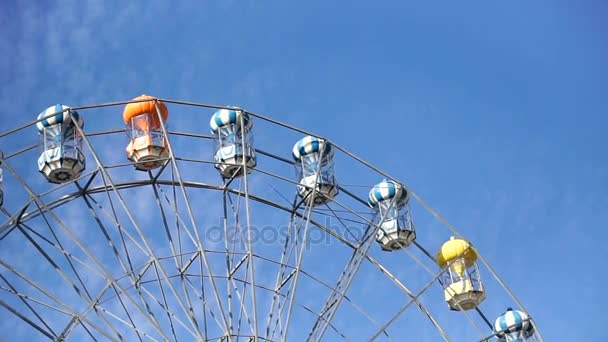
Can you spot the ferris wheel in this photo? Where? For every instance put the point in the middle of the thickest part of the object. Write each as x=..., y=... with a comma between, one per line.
x=170, y=222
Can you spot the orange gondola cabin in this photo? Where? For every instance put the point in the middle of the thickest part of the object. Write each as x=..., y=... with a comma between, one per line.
x=147, y=148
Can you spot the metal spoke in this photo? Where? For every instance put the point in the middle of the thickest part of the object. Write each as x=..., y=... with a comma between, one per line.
x=250, y=260
x=131, y=218
x=192, y=220
x=53, y=298
x=44, y=209
x=36, y=314
x=51, y=335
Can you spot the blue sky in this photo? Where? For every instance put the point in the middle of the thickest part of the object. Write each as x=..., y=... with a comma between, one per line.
x=494, y=113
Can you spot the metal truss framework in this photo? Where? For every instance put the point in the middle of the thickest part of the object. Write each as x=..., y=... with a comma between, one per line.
x=184, y=295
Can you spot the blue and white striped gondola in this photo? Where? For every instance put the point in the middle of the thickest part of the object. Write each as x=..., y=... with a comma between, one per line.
x=230, y=128
x=62, y=117
x=312, y=146
x=513, y=326
x=314, y=162
x=388, y=191
x=62, y=159
x=396, y=229
x=224, y=118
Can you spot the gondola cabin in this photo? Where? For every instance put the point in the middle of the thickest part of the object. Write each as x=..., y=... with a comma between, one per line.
x=147, y=148
x=234, y=153
x=463, y=289
x=390, y=202
x=315, y=170
x=62, y=158
x=514, y=326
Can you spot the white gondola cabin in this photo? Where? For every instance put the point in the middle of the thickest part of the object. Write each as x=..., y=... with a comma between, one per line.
x=234, y=153
x=314, y=165
x=147, y=147
x=463, y=289
x=61, y=159
x=390, y=201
